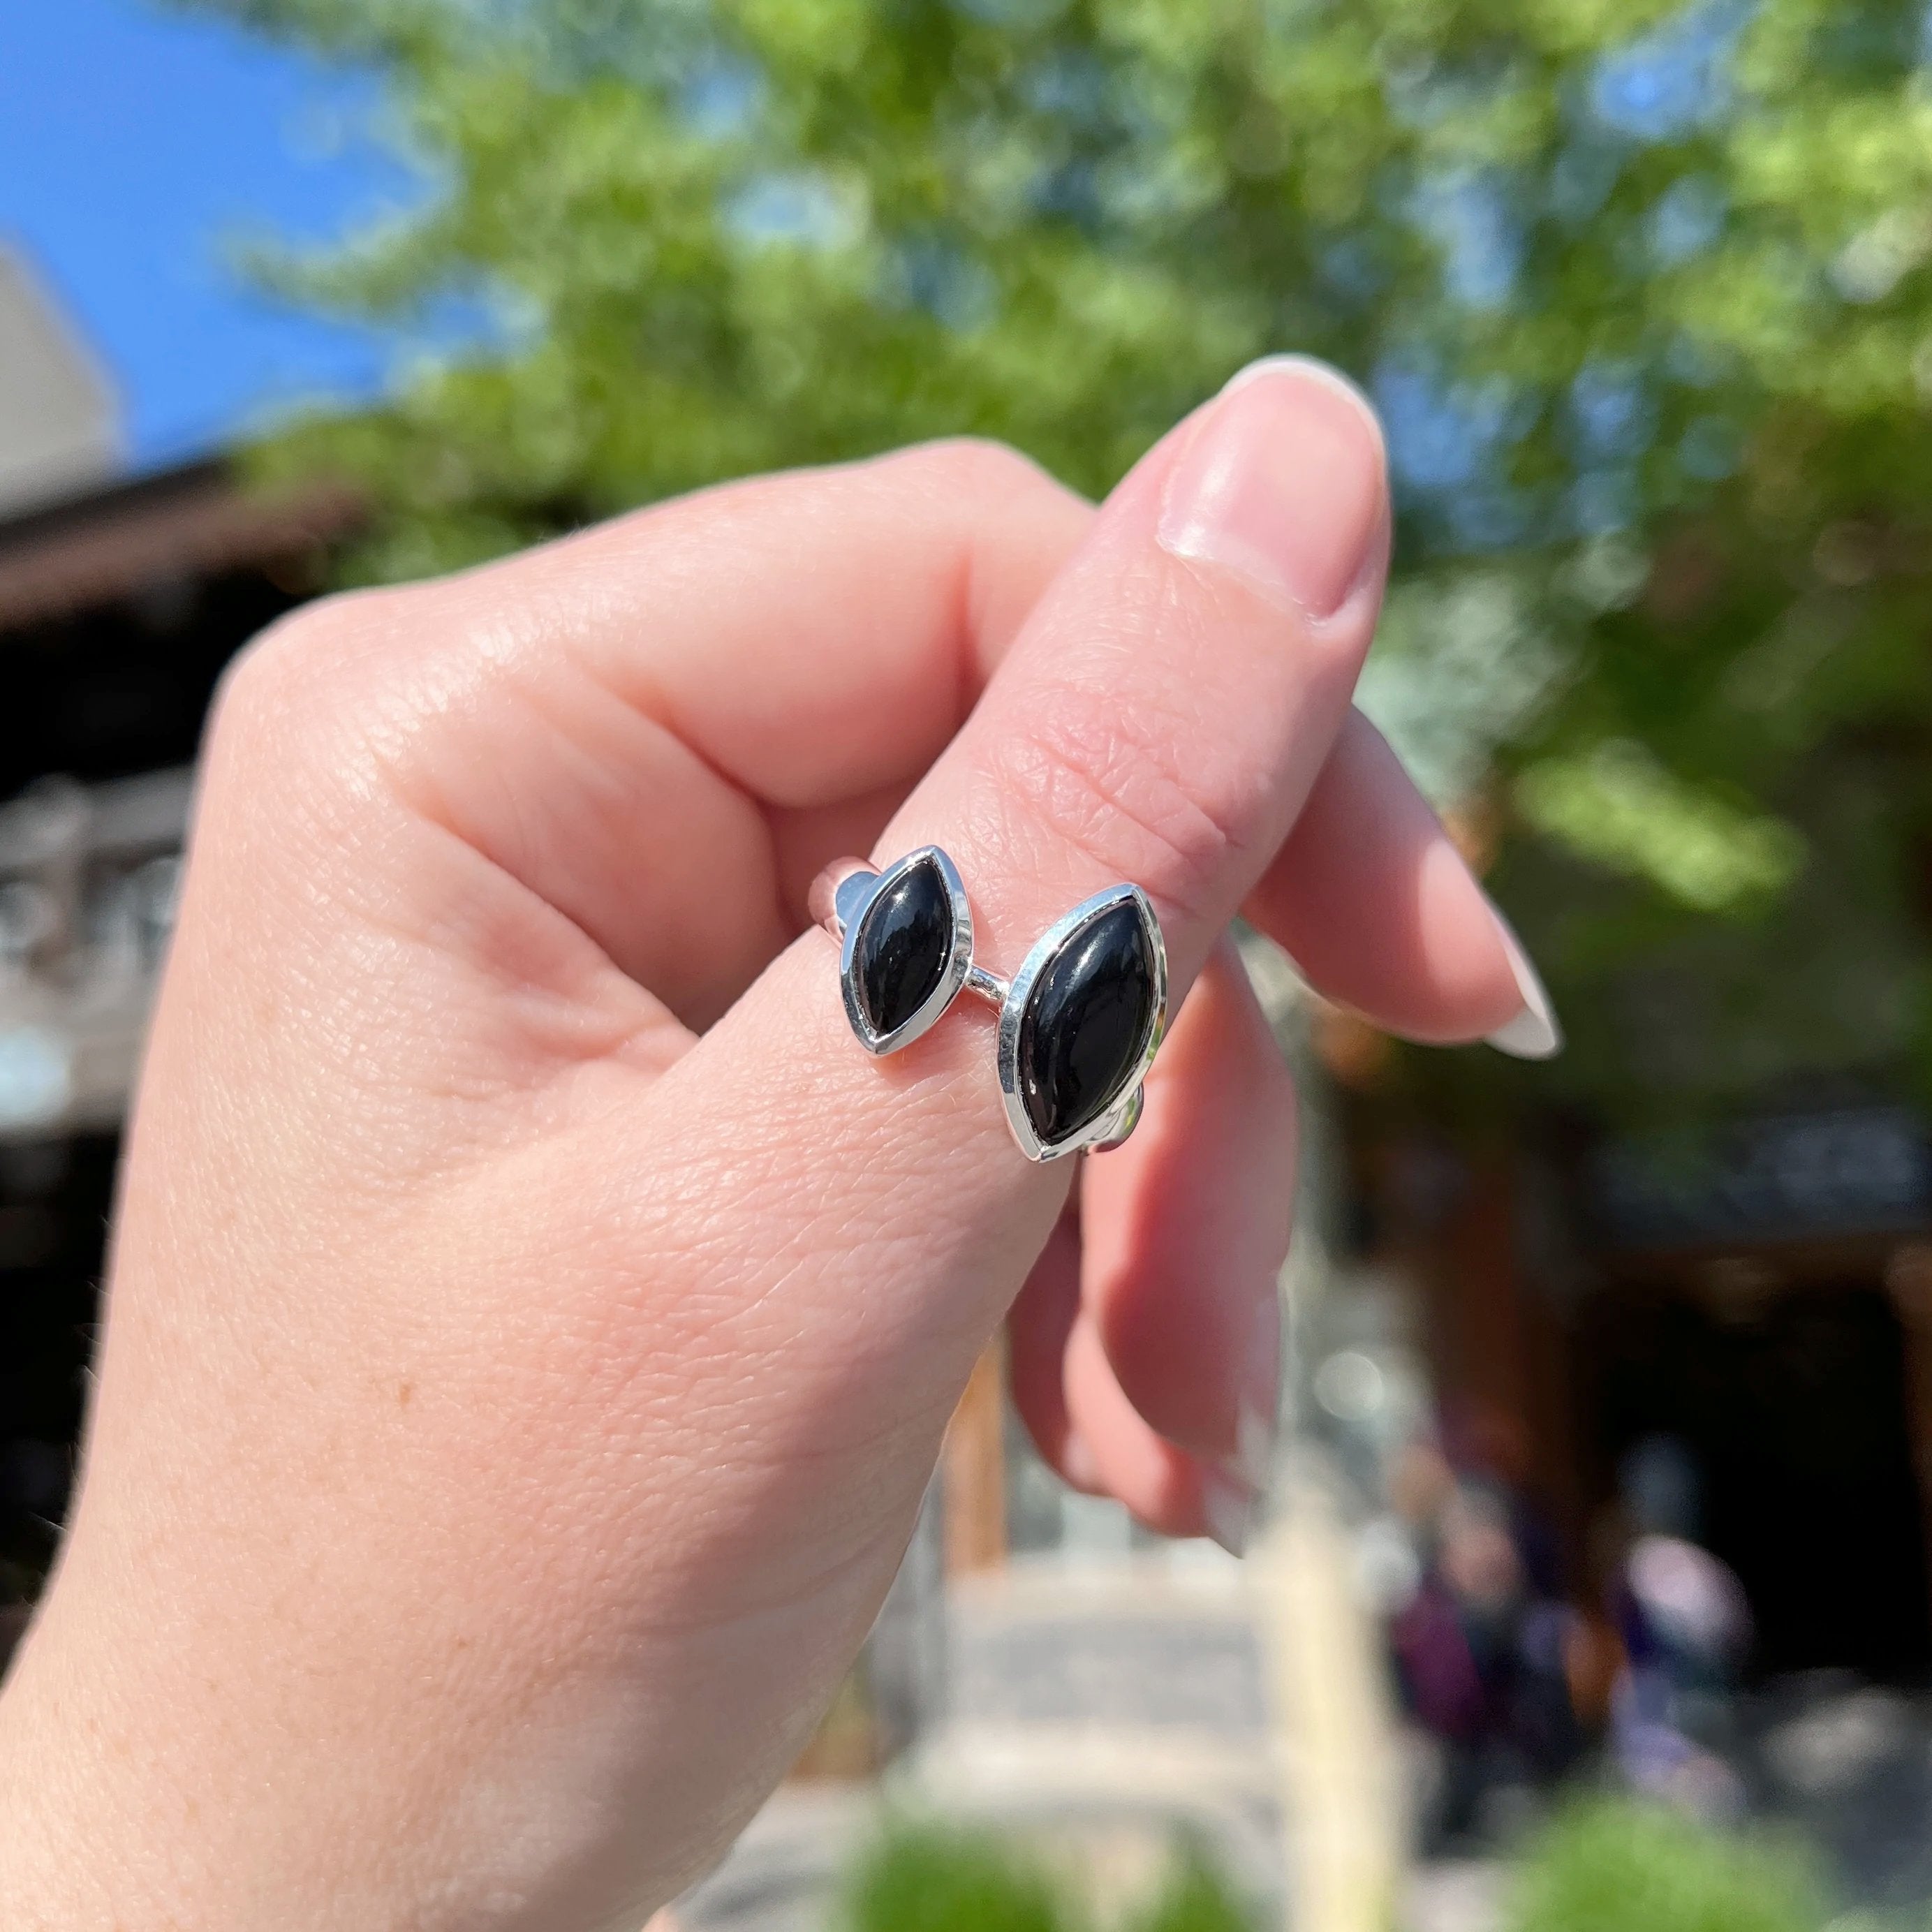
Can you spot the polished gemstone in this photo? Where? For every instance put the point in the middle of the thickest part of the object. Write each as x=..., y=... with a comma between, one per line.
x=904, y=943
x=1087, y=1023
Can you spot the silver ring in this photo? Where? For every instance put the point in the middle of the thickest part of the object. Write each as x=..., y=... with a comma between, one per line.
x=1079, y=1025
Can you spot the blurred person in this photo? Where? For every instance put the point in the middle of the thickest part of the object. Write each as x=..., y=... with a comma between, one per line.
x=1482, y=1652
x=1494, y=1447
x=1420, y=1483
x=1685, y=1627
x=1395, y=1545
x=532, y=1317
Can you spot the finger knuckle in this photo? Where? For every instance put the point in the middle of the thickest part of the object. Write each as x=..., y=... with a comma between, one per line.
x=278, y=698
x=980, y=467
x=1110, y=780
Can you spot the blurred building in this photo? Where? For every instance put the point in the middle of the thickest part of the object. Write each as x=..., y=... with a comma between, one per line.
x=60, y=425
x=121, y=601
x=1754, y=1295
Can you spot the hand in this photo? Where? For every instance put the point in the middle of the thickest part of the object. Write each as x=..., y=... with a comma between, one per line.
x=533, y=1319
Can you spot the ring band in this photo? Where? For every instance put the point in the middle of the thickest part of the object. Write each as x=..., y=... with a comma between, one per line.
x=1079, y=1024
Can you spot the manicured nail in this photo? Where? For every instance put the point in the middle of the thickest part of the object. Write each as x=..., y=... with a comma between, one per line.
x=1077, y=1464
x=1228, y=1505
x=1534, y=1033
x=1282, y=486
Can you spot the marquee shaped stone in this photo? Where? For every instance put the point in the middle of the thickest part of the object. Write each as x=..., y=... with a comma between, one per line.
x=905, y=945
x=1088, y=1021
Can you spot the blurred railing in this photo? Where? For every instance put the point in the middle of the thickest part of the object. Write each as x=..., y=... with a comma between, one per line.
x=87, y=880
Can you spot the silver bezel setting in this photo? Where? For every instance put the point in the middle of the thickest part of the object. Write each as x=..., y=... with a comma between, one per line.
x=1112, y=1126
x=853, y=906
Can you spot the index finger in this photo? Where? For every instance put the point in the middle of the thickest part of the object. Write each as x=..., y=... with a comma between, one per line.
x=632, y=722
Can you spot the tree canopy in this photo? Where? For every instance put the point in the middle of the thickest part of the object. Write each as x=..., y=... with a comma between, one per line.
x=1644, y=292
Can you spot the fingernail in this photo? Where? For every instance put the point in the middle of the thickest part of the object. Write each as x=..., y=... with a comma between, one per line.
x=1257, y=1422
x=1534, y=1033
x=1227, y=1506
x=1077, y=1464
x=1282, y=486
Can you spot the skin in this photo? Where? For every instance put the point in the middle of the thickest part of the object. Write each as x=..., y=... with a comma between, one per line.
x=533, y=1320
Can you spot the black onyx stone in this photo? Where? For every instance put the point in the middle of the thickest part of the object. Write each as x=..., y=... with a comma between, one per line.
x=904, y=940
x=1087, y=1023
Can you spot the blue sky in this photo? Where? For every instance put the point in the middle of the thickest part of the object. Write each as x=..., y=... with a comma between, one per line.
x=136, y=141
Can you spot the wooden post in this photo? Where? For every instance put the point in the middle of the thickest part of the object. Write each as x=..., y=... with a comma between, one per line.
x=1497, y=1348
x=1334, y=1729
x=974, y=1462
x=1908, y=1281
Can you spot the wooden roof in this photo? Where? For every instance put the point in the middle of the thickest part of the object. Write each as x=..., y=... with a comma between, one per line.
x=197, y=521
